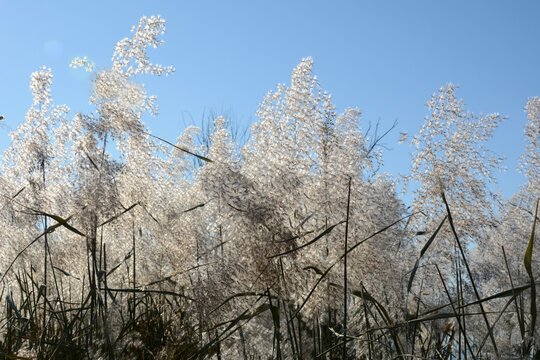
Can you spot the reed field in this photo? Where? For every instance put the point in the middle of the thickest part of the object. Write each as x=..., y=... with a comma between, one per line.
x=117, y=243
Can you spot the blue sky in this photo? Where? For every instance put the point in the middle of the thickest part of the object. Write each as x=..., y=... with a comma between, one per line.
x=384, y=57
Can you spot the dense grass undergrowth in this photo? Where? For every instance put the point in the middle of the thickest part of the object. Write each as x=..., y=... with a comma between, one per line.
x=155, y=321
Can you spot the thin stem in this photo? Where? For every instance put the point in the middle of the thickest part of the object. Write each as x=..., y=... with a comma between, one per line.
x=344, y=354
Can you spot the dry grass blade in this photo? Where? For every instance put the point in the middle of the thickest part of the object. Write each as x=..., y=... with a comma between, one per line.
x=243, y=294
x=422, y=252
x=506, y=293
x=18, y=192
x=180, y=148
x=65, y=272
x=325, y=232
x=194, y=207
x=528, y=266
x=169, y=277
x=145, y=291
x=92, y=161
x=60, y=221
x=514, y=292
x=118, y=215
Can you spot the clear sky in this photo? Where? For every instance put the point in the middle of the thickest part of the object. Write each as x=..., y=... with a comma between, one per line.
x=384, y=57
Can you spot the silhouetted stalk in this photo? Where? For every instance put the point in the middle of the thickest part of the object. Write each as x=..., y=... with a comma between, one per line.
x=93, y=277
x=61, y=303
x=243, y=342
x=527, y=260
x=459, y=297
x=344, y=354
x=451, y=221
x=218, y=350
x=319, y=335
x=275, y=318
x=368, y=336
x=300, y=350
x=455, y=311
x=45, y=251
x=464, y=319
x=290, y=329
x=44, y=287
x=297, y=339
x=133, y=315
x=521, y=321
x=101, y=274
x=105, y=273
x=416, y=326
x=289, y=333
